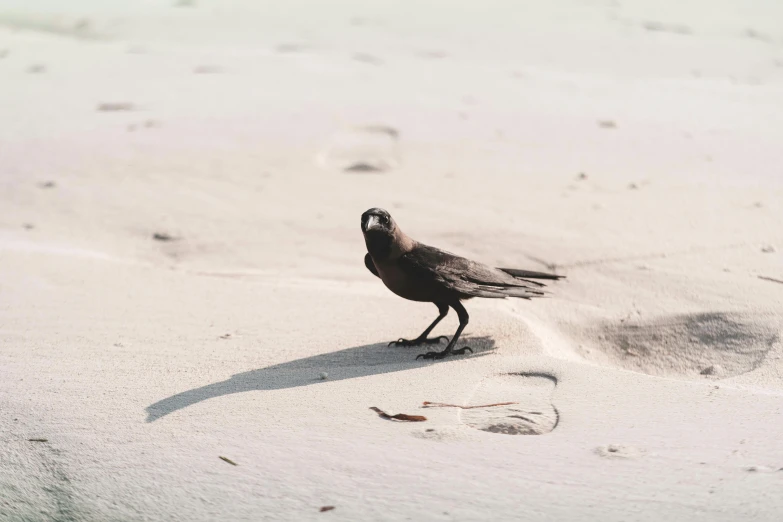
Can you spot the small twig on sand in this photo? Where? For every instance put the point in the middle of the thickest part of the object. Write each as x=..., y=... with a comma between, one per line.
x=427, y=404
x=399, y=416
x=229, y=461
x=765, y=278
x=38, y=440
x=326, y=508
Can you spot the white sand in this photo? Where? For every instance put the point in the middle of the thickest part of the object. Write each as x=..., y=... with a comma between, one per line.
x=654, y=373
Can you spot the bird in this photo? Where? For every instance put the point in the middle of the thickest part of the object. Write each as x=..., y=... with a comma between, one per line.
x=423, y=273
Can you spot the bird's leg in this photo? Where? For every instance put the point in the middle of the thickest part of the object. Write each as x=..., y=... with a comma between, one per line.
x=463, y=322
x=443, y=310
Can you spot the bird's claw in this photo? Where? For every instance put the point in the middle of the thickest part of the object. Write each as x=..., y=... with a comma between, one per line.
x=444, y=353
x=416, y=342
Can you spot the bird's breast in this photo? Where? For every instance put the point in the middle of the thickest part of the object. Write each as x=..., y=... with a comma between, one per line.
x=403, y=284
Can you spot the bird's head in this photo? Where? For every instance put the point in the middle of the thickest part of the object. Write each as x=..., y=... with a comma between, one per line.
x=381, y=234
x=377, y=221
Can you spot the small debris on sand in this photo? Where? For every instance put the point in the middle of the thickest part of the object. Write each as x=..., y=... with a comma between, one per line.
x=762, y=469
x=364, y=167
x=326, y=508
x=163, y=236
x=607, y=124
x=226, y=459
x=400, y=416
x=38, y=440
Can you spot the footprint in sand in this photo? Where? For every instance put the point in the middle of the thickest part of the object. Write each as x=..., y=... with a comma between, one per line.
x=531, y=414
x=365, y=149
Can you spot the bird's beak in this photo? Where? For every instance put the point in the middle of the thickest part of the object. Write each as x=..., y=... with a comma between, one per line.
x=372, y=222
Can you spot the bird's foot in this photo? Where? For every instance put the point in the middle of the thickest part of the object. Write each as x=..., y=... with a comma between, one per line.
x=444, y=353
x=420, y=340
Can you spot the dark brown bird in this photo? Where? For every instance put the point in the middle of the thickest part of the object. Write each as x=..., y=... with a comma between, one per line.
x=423, y=273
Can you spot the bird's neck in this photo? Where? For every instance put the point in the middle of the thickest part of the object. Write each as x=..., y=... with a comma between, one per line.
x=384, y=247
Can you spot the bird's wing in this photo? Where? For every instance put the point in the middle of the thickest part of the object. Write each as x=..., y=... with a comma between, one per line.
x=370, y=265
x=463, y=276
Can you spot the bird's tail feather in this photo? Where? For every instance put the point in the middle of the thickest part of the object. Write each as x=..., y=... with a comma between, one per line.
x=527, y=275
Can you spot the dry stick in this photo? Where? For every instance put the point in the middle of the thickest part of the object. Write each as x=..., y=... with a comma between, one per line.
x=427, y=404
x=765, y=278
x=229, y=461
x=399, y=416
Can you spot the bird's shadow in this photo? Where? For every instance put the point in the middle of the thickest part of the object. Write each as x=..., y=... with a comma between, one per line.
x=360, y=361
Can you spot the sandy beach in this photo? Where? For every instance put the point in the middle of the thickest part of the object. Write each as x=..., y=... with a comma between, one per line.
x=187, y=327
